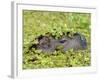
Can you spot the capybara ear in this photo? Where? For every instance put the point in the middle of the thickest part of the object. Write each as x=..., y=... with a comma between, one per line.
x=68, y=33
x=39, y=37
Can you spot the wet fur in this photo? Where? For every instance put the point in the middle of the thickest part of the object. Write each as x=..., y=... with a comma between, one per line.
x=49, y=44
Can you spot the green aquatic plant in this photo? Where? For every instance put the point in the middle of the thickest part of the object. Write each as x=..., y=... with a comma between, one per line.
x=36, y=23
